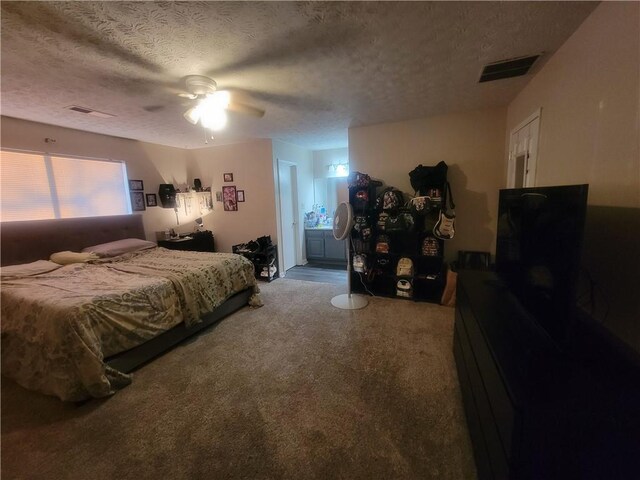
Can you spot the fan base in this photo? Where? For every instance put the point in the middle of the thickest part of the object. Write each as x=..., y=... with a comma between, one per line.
x=349, y=302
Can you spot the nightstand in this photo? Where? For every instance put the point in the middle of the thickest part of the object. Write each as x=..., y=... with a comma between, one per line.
x=196, y=242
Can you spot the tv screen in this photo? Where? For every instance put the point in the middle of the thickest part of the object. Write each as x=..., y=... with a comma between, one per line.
x=538, y=251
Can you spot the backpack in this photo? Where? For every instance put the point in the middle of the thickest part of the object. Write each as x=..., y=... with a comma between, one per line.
x=430, y=247
x=362, y=198
x=423, y=178
x=402, y=222
x=360, y=263
x=357, y=179
x=361, y=225
x=389, y=199
x=382, y=244
x=404, y=288
x=382, y=221
x=405, y=267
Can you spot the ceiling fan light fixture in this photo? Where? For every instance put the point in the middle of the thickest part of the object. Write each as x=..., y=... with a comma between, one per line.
x=221, y=98
x=213, y=118
x=192, y=115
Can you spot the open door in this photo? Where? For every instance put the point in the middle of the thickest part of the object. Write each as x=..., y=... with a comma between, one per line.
x=287, y=175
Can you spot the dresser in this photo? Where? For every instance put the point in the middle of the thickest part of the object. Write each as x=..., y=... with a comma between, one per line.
x=535, y=411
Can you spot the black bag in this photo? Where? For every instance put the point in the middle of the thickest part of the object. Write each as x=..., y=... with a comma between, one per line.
x=382, y=244
x=361, y=225
x=389, y=200
x=403, y=222
x=422, y=178
x=357, y=179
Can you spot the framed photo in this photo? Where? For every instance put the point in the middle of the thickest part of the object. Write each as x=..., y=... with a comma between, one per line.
x=240, y=195
x=136, y=185
x=152, y=200
x=137, y=201
x=228, y=177
x=229, y=198
x=218, y=196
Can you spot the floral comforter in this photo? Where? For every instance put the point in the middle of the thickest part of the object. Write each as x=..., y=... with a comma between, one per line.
x=58, y=327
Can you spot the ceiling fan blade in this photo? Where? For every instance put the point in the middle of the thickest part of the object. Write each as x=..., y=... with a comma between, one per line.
x=245, y=109
x=49, y=19
x=302, y=44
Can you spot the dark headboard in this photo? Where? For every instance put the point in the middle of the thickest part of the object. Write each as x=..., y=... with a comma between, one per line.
x=24, y=242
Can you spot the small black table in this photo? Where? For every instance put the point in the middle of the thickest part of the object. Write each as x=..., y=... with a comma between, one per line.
x=196, y=241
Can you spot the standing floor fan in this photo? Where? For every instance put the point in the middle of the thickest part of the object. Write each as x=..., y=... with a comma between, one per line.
x=342, y=225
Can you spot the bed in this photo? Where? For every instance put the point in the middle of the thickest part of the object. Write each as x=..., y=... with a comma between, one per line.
x=77, y=331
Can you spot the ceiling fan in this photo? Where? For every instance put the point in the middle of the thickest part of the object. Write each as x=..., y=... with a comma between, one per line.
x=212, y=104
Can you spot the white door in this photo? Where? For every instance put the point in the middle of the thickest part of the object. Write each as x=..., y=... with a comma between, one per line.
x=288, y=202
x=523, y=153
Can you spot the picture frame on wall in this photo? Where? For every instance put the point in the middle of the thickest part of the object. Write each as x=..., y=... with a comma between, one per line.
x=240, y=195
x=136, y=185
x=152, y=200
x=230, y=200
x=227, y=177
x=137, y=201
x=218, y=196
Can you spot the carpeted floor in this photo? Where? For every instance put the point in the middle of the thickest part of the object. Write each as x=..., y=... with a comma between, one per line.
x=296, y=389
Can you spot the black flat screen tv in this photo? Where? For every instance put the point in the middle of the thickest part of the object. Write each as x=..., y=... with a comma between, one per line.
x=538, y=252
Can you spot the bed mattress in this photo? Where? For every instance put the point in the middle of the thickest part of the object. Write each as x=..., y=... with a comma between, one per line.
x=58, y=327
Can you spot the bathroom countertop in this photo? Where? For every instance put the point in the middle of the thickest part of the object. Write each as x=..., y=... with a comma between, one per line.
x=323, y=227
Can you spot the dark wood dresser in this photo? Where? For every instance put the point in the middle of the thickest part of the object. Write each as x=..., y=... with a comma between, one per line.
x=535, y=411
x=196, y=241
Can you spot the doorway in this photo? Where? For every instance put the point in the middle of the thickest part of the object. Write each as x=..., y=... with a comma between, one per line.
x=287, y=182
x=523, y=153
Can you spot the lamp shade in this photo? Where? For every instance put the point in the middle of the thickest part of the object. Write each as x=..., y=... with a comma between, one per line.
x=192, y=115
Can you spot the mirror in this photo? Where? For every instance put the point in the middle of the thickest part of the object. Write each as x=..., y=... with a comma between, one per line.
x=330, y=192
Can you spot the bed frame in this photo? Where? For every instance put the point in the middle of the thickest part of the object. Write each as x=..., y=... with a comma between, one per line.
x=24, y=242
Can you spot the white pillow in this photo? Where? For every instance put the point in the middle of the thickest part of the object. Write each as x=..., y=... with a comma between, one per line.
x=113, y=249
x=67, y=257
x=28, y=269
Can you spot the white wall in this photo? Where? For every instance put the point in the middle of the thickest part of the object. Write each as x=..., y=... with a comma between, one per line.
x=251, y=164
x=303, y=159
x=589, y=133
x=323, y=158
x=471, y=143
x=590, y=119
x=153, y=164
x=329, y=190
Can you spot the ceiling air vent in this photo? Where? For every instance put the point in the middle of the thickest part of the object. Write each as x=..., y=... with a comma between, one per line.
x=89, y=111
x=513, y=67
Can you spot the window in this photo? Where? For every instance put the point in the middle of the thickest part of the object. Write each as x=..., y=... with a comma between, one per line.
x=41, y=186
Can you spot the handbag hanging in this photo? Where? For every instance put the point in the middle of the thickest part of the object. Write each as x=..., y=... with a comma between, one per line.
x=445, y=227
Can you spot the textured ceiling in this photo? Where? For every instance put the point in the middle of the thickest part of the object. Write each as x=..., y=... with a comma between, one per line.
x=317, y=68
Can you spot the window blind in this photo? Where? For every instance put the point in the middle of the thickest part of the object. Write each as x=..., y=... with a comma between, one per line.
x=41, y=186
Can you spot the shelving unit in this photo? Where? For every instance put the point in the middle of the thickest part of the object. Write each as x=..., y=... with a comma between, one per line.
x=429, y=276
x=194, y=202
x=263, y=262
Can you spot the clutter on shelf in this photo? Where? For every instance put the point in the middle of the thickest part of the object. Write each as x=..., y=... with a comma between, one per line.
x=263, y=253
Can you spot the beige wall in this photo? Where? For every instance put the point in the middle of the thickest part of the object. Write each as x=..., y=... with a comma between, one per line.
x=589, y=133
x=471, y=143
x=323, y=158
x=251, y=165
x=303, y=159
x=153, y=164
x=588, y=92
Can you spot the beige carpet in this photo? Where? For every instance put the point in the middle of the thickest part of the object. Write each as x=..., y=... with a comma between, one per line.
x=296, y=389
